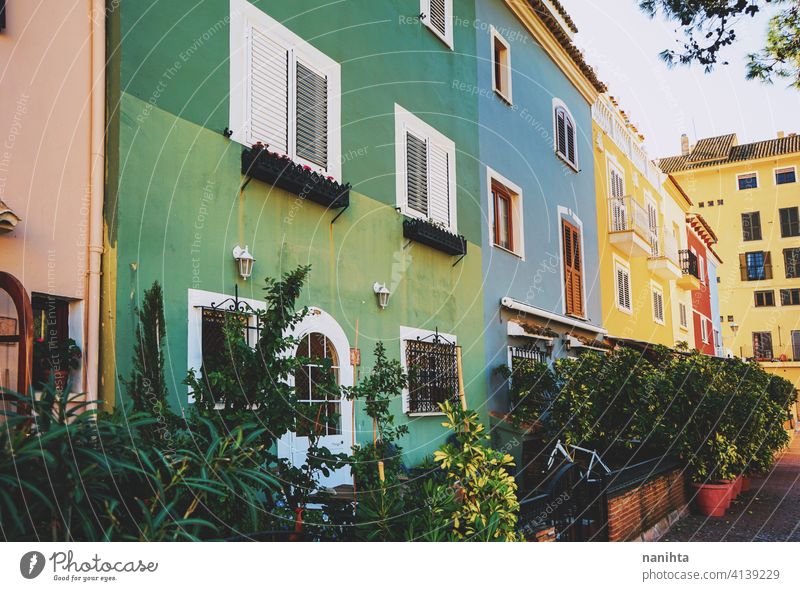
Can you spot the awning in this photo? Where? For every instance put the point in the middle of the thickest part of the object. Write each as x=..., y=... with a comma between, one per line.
x=8, y=219
x=513, y=304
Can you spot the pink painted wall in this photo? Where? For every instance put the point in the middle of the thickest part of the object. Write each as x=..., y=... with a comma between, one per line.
x=44, y=149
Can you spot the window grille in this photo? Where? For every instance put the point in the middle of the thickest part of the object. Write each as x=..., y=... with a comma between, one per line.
x=432, y=373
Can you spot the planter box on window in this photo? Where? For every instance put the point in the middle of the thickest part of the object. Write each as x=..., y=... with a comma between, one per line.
x=278, y=171
x=430, y=234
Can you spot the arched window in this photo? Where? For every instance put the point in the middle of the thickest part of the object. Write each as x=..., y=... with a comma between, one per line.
x=316, y=386
x=566, y=140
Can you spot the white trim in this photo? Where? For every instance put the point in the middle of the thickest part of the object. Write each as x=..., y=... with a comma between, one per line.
x=619, y=263
x=758, y=180
x=425, y=10
x=197, y=299
x=557, y=102
x=513, y=304
x=775, y=174
x=409, y=334
x=573, y=343
x=407, y=121
x=517, y=209
x=656, y=288
x=563, y=212
x=613, y=163
x=515, y=330
x=494, y=34
x=244, y=16
x=685, y=324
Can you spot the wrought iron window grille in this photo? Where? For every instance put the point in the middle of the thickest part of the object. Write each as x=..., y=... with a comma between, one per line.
x=432, y=373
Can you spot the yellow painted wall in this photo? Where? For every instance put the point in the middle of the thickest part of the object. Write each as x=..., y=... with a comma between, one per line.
x=736, y=296
x=640, y=323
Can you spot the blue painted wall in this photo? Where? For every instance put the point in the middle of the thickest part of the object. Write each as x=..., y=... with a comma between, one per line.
x=516, y=141
x=713, y=292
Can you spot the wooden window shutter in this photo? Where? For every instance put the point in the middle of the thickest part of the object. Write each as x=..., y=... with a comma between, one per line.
x=311, y=116
x=440, y=185
x=417, y=173
x=767, y=265
x=268, y=92
x=743, y=267
x=573, y=274
x=438, y=15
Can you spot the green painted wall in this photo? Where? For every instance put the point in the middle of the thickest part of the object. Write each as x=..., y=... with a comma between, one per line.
x=175, y=210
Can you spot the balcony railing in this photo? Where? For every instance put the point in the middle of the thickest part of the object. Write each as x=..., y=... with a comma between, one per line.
x=665, y=246
x=689, y=264
x=626, y=215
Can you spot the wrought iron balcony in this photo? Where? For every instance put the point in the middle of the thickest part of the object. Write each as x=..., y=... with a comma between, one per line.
x=689, y=264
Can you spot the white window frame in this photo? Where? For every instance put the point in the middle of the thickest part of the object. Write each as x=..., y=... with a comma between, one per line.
x=406, y=121
x=517, y=220
x=758, y=180
x=494, y=35
x=409, y=334
x=558, y=103
x=703, y=329
x=683, y=316
x=775, y=174
x=425, y=11
x=701, y=268
x=199, y=299
x=612, y=164
x=620, y=264
x=243, y=17
x=656, y=289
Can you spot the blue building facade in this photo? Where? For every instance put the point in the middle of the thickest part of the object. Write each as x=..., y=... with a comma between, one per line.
x=537, y=189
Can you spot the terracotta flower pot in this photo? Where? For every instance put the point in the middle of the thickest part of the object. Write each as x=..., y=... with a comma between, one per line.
x=712, y=499
x=737, y=486
x=745, y=483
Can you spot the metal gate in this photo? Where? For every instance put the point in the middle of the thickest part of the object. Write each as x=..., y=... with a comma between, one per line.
x=572, y=501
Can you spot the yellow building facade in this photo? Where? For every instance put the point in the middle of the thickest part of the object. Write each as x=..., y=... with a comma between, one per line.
x=642, y=228
x=751, y=194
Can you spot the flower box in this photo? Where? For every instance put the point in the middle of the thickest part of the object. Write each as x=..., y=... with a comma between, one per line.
x=279, y=171
x=435, y=236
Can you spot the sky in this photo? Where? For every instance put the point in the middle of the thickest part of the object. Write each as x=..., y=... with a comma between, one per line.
x=623, y=43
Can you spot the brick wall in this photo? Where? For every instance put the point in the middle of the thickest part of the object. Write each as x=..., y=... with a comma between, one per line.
x=636, y=510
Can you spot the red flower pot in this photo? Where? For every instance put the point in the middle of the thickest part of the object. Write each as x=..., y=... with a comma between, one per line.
x=712, y=499
x=745, y=483
x=737, y=486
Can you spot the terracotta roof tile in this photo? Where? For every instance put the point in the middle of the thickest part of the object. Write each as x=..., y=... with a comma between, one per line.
x=542, y=11
x=754, y=151
x=713, y=148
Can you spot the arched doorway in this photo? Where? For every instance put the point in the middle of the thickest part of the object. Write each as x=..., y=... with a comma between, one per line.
x=16, y=335
x=321, y=338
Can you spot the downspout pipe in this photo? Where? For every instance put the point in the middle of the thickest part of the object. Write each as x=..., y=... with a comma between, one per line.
x=97, y=105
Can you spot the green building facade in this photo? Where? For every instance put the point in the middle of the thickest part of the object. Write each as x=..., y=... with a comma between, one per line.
x=371, y=94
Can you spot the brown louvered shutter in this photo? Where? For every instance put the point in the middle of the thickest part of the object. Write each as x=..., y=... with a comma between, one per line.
x=743, y=266
x=573, y=274
x=767, y=265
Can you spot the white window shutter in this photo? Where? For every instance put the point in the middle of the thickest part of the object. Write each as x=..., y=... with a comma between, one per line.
x=440, y=185
x=438, y=16
x=311, y=109
x=417, y=174
x=268, y=96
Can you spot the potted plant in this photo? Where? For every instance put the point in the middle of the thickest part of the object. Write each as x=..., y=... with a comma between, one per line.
x=55, y=358
x=712, y=477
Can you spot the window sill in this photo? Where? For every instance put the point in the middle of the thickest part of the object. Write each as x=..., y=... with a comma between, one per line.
x=511, y=252
x=503, y=97
x=425, y=414
x=566, y=161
